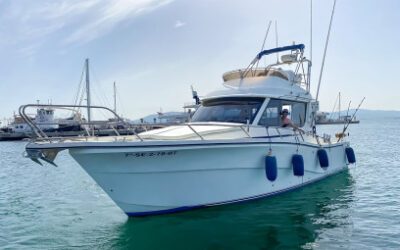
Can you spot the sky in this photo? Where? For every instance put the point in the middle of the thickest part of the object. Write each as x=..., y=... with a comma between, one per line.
x=156, y=49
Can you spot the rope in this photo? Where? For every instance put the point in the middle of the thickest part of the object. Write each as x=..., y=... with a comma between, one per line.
x=269, y=140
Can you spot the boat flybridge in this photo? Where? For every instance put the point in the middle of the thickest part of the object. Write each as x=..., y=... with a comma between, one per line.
x=234, y=149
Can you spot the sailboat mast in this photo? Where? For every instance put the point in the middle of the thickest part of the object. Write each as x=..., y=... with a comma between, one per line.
x=115, y=98
x=311, y=24
x=87, y=89
x=276, y=40
x=339, y=104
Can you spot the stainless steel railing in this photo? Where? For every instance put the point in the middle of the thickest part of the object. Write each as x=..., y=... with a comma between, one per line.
x=42, y=135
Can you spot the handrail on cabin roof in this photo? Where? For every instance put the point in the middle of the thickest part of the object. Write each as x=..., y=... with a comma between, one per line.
x=280, y=49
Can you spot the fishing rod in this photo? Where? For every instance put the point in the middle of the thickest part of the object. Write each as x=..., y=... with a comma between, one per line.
x=341, y=135
x=347, y=115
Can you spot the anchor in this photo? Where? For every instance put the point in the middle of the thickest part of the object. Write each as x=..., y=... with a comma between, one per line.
x=47, y=155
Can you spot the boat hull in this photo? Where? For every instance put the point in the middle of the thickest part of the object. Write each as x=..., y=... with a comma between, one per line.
x=170, y=178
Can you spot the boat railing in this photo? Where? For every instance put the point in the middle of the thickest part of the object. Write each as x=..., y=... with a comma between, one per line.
x=298, y=134
x=303, y=65
x=192, y=127
x=303, y=68
x=41, y=135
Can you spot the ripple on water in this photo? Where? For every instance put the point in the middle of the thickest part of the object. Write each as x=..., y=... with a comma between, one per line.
x=47, y=207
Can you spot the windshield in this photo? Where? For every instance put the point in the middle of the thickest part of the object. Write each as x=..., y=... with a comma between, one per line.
x=232, y=109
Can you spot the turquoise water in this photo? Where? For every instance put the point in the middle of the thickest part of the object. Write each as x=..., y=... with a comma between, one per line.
x=47, y=207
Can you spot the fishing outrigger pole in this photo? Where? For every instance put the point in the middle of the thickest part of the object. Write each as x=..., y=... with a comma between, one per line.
x=341, y=135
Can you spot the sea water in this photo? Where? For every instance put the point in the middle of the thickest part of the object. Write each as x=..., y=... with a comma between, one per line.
x=44, y=207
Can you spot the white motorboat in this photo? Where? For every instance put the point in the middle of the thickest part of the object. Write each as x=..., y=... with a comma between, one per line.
x=235, y=148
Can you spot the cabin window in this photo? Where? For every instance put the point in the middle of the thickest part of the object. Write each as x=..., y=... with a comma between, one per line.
x=271, y=115
x=232, y=109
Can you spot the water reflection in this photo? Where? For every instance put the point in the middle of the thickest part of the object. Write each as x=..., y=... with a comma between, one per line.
x=300, y=218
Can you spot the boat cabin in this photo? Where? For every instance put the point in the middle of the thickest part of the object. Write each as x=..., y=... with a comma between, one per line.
x=251, y=110
x=257, y=96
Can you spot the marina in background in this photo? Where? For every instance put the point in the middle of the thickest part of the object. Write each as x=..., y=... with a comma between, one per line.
x=336, y=116
x=77, y=125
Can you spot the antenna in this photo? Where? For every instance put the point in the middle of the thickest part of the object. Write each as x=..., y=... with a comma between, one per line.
x=195, y=95
x=115, y=97
x=339, y=103
x=265, y=38
x=311, y=30
x=266, y=35
x=326, y=47
x=87, y=88
x=276, y=40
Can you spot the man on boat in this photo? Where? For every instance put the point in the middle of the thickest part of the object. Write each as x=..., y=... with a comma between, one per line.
x=286, y=122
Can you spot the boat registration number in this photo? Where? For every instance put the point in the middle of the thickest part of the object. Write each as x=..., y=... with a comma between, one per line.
x=151, y=154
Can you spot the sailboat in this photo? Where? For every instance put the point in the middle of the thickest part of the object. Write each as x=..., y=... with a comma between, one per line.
x=324, y=118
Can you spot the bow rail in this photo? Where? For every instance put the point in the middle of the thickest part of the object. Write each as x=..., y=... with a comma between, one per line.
x=41, y=135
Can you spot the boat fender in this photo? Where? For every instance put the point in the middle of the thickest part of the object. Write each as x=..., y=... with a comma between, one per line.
x=351, y=156
x=271, y=169
x=323, y=158
x=298, y=165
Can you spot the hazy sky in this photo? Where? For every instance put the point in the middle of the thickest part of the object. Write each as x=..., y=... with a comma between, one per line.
x=156, y=49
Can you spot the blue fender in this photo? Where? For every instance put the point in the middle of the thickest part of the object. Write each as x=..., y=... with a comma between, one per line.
x=298, y=165
x=351, y=156
x=323, y=158
x=271, y=168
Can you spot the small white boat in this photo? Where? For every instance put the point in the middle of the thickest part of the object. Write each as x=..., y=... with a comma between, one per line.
x=234, y=149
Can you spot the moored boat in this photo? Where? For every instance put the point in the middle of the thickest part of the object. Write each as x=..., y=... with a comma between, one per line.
x=235, y=148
